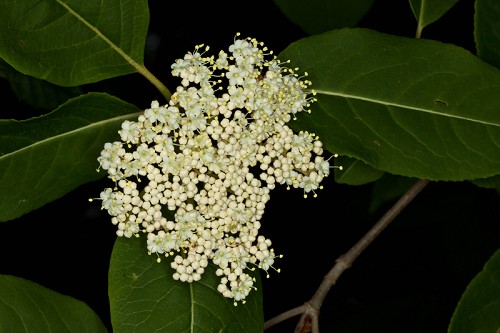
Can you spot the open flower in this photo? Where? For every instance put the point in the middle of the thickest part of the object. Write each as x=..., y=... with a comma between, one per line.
x=195, y=174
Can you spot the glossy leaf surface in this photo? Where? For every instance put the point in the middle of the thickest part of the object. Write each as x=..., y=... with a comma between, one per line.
x=145, y=298
x=411, y=107
x=26, y=306
x=43, y=158
x=70, y=42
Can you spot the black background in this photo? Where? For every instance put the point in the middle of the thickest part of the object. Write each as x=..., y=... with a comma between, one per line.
x=408, y=280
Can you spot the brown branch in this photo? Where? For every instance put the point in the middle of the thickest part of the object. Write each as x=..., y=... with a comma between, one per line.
x=285, y=315
x=309, y=320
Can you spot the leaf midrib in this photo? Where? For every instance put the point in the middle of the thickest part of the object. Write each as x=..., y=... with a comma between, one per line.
x=102, y=122
x=433, y=112
x=115, y=47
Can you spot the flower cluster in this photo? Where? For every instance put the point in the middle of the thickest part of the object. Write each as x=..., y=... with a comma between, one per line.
x=195, y=174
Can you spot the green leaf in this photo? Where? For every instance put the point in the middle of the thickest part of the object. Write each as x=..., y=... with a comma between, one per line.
x=29, y=307
x=145, y=298
x=43, y=158
x=318, y=16
x=37, y=93
x=478, y=309
x=355, y=172
x=411, y=107
x=429, y=11
x=69, y=42
x=487, y=30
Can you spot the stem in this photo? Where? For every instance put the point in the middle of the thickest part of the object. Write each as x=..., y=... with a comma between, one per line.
x=420, y=19
x=154, y=80
x=418, y=33
x=138, y=67
x=284, y=316
x=309, y=321
x=345, y=261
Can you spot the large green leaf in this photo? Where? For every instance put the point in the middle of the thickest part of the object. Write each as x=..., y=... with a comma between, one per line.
x=145, y=298
x=487, y=30
x=479, y=308
x=29, y=307
x=318, y=16
x=43, y=158
x=72, y=42
x=429, y=11
x=411, y=107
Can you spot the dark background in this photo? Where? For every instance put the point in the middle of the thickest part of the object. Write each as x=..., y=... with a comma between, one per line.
x=409, y=280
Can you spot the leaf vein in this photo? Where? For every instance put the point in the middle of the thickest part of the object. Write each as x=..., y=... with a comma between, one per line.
x=386, y=103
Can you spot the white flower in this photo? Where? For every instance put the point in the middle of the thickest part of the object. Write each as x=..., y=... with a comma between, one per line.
x=210, y=157
x=222, y=257
x=154, y=244
x=156, y=113
x=129, y=132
